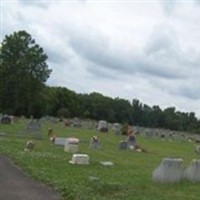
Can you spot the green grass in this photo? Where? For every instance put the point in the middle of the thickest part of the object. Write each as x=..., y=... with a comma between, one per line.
x=129, y=178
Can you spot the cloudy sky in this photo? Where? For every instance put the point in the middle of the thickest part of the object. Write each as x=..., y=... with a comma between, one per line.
x=144, y=49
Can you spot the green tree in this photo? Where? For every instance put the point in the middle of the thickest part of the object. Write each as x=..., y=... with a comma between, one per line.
x=23, y=72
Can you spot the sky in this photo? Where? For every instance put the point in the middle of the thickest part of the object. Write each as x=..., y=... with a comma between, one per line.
x=132, y=49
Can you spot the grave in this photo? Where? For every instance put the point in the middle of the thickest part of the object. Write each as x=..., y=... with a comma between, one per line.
x=80, y=159
x=131, y=141
x=94, y=142
x=71, y=145
x=76, y=122
x=192, y=173
x=5, y=119
x=169, y=171
x=60, y=141
x=123, y=145
x=116, y=128
x=107, y=163
x=149, y=134
x=197, y=149
x=102, y=126
x=34, y=129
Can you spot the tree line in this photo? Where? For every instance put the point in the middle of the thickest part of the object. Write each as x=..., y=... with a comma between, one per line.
x=24, y=71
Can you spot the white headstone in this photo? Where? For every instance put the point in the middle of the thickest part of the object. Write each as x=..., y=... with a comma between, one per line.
x=116, y=128
x=169, y=171
x=80, y=159
x=102, y=126
x=192, y=173
x=71, y=145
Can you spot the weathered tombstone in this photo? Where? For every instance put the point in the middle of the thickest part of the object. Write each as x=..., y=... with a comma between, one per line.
x=149, y=134
x=60, y=141
x=29, y=145
x=94, y=142
x=102, y=126
x=197, y=149
x=80, y=159
x=34, y=129
x=116, y=128
x=107, y=163
x=169, y=171
x=123, y=145
x=131, y=141
x=76, y=122
x=192, y=173
x=71, y=145
x=5, y=119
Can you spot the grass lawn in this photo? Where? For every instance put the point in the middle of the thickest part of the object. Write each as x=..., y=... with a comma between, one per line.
x=128, y=179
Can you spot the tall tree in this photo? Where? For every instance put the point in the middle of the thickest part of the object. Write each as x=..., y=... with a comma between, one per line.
x=23, y=72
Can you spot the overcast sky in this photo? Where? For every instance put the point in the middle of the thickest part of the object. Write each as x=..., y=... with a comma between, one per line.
x=144, y=49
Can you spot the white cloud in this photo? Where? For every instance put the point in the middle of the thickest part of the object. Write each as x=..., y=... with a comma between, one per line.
x=148, y=50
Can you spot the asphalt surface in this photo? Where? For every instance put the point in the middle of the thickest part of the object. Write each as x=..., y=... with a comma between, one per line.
x=15, y=185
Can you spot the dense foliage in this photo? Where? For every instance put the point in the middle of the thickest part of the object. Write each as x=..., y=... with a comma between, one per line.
x=23, y=71
x=63, y=102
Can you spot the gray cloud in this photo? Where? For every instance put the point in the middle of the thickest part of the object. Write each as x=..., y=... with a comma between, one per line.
x=95, y=47
x=190, y=92
x=168, y=6
x=38, y=3
x=160, y=58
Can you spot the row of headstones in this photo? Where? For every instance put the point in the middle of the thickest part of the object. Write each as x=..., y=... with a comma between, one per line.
x=170, y=135
x=71, y=144
x=171, y=170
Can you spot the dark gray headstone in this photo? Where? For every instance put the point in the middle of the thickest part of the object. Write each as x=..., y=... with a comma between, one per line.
x=94, y=142
x=76, y=122
x=6, y=119
x=34, y=129
x=123, y=145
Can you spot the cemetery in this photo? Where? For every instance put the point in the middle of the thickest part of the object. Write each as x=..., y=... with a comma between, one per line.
x=83, y=163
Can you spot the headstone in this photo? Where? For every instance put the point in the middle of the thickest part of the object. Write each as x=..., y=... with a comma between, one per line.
x=102, y=126
x=5, y=119
x=131, y=141
x=34, y=129
x=197, y=149
x=107, y=163
x=94, y=142
x=71, y=145
x=123, y=145
x=149, y=134
x=116, y=128
x=169, y=171
x=80, y=159
x=76, y=122
x=60, y=141
x=192, y=173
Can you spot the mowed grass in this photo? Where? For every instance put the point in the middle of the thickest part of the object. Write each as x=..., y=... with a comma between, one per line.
x=129, y=178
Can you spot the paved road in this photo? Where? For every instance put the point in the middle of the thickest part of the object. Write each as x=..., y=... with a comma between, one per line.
x=15, y=185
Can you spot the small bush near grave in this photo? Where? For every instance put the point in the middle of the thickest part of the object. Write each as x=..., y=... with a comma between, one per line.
x=124, y=129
